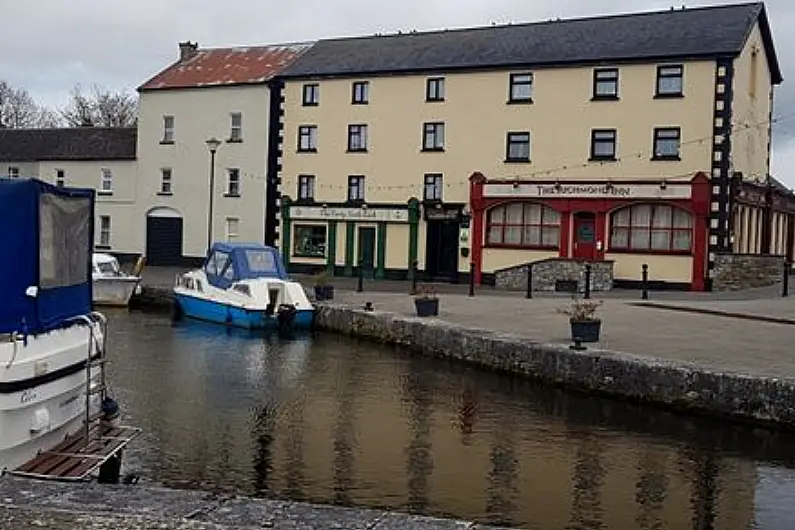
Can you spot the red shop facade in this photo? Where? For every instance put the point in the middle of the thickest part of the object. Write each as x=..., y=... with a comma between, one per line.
x=589, y=220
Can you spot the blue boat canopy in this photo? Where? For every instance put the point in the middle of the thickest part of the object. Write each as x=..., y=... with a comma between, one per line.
x=45, y=271
x=228, y=263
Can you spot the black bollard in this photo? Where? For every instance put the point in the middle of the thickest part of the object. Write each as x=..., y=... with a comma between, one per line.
x=360, y=280
x=587, y=281
x=644, y=283
x=785, y=279
x=414, y=268
x=471, y=279
x=529, y=293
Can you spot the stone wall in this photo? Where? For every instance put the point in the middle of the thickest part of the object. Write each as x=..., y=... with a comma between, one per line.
x=734, y=272
x=551, y=274
x=676, y=385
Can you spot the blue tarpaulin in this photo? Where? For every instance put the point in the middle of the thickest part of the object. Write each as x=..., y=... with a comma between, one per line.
x=46, y=242
x=231, y=262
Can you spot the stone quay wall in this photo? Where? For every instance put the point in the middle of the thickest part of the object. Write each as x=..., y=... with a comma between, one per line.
x=672, y=384
x=734, y=272
x=550, y=275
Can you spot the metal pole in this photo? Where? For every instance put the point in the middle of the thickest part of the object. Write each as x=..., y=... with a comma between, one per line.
x=212, y=196
x=644, y=283
x=785, y=280
x=472, y=279
x=360, y=281
x=529, y=293
x=587, y=281
x=415, y=267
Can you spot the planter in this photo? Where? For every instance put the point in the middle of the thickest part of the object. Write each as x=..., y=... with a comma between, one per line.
x=586, y=330
x=427, y=307
x=324, y=292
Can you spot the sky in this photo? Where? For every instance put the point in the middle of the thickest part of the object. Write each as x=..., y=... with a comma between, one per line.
x=48, y=46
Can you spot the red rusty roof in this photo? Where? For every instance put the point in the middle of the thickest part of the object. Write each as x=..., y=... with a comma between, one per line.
x=226, y=66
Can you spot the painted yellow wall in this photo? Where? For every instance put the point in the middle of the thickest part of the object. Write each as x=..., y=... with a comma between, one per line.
x=397, y=249
x=661, y=267
x=751, y=109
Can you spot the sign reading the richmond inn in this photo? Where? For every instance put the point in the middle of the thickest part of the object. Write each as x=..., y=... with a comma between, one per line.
x=652, y=190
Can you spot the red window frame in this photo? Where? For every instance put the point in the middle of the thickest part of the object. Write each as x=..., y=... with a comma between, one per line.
x=544, y=225
x=649, y=229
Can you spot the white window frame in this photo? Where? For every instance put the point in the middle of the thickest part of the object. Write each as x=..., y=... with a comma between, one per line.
x=106, y=181
x=104, y=230
x=168, y=129
x=13, y=172
x=231, y=234
x=233, y=187
x=166, y=181
x=236, y=129
x=60, y=178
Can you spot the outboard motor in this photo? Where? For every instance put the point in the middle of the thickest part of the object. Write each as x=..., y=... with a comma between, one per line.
x=286, y=318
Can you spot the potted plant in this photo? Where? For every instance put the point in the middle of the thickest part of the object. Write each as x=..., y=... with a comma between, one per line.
x=585, y=326
x=426, y=302
x=323, y=289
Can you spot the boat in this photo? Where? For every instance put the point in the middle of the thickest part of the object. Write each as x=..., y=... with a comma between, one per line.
x=112, y=286
x=243, y=285
x=57, y=419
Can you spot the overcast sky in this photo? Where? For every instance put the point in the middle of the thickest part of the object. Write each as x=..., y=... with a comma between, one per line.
x=48, y=46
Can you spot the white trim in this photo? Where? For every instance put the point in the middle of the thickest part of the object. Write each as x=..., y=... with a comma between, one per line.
x=163, y=211
x=574, y=190
x=389, y=215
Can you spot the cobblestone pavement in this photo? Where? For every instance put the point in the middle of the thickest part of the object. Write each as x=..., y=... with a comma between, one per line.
x=711, y=342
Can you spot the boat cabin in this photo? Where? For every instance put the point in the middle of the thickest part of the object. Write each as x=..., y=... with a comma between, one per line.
x=228, y=263
x=105, y=265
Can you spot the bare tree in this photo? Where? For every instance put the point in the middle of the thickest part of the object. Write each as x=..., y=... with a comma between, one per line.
x=17, y=108
x=100, y=108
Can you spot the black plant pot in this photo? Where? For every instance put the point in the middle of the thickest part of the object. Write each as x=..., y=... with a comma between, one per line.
x=585, y=330
x=324, y=292
x=427, y=307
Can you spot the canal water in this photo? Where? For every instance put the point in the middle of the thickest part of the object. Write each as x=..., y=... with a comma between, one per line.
x=329, y=419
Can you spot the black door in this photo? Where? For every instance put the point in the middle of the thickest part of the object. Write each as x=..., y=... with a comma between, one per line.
x=367, y=250
x=441, y=251
x=164, y=241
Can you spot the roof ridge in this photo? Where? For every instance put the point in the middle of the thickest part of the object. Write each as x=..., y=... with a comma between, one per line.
x=259, y=46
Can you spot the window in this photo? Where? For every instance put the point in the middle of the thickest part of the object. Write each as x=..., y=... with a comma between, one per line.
x=434, y=89
x=306, y=187
x=361, y=92
x=233, y=182
x=60, y=178
x=106, y=182
x=165, y=181
x=310, y=241
x=655, y=227
x=433, y=137
x=168, y=130
x=433, y=187
x=524, y=224
x=521, y=88
x=669, y=81
x=236, y=127
x=357, y=138
x=307, y=138
x=603, y=144
x=355, y=188
x=232, y=228
x=666, y=143
x=311, y=96
x=517, y=147
x=104, y=230
x=605, y=83
x=13, y=172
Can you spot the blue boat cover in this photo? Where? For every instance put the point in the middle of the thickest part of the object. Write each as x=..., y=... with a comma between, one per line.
x=47, y=240
x=231, y=262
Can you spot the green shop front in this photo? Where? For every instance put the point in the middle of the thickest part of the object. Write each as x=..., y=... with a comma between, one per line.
x=340, y=238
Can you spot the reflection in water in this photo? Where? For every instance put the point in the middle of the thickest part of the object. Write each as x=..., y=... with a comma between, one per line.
x=331, y=420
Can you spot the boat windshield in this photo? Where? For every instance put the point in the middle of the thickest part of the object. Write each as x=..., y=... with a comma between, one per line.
x=108, y=267
x=260, y=261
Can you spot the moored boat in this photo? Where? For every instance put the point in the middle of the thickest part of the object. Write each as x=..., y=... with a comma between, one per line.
x=112, y=286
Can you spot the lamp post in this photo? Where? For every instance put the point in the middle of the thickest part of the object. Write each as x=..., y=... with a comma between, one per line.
x=212, y=145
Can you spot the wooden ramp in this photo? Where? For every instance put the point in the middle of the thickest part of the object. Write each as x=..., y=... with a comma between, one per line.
x=77, y=457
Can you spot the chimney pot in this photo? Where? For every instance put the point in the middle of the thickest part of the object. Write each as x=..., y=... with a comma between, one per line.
x=187, y=50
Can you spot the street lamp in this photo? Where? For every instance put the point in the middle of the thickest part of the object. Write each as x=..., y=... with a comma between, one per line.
x=212, y=145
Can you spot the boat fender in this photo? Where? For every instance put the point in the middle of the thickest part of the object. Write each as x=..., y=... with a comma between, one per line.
x=110, y=410
x=286, y=315
x=40, y=420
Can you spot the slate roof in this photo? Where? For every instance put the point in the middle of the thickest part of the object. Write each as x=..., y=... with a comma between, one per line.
x=75, y=144
x=226, y=66
x=658, y=35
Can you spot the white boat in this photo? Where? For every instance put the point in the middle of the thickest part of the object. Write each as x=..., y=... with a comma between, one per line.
x=243, y=285
x=53, y=402
x=112, y=286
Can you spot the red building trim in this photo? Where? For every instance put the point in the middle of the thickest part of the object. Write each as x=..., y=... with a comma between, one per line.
x=701, y=197
x=476, y=204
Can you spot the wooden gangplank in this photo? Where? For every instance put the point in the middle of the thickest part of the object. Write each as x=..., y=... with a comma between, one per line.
x=78, y=456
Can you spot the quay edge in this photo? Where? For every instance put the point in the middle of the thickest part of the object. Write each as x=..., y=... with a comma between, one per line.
x=675, y=385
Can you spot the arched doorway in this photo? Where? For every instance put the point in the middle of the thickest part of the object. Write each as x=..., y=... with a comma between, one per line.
x=163, y=237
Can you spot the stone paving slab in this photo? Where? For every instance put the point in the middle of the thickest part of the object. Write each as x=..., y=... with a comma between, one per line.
x=706, y=341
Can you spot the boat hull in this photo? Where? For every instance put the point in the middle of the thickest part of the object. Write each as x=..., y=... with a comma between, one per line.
x=114, y=292
x=221, y=313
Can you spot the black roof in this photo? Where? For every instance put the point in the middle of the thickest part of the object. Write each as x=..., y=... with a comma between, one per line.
x=74, y=143
x=658, y=35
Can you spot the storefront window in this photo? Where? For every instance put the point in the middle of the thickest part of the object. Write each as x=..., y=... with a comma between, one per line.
x=651, y=227
x=523, y=224
x=310, y=241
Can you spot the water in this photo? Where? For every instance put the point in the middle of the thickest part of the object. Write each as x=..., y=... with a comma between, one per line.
x=331, y=420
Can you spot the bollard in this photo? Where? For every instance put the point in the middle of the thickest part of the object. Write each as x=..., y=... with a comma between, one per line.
x=360, y=282
x=644, y=283
x=529, y=293
x=471, y=279
x=415, y=268
x=587, y=281
x=785, y=280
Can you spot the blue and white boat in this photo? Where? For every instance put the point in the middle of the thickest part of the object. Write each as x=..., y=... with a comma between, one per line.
x=243, y=285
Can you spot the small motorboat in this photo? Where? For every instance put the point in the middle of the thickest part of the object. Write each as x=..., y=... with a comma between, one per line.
x=112, y=286
x=243, y=285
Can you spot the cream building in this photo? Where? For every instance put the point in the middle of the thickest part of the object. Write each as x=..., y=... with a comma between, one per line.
x=84, y=157
x=605, y=139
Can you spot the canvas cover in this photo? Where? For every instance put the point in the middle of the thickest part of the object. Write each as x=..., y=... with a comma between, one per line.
x=46, y=243
x=231, y=262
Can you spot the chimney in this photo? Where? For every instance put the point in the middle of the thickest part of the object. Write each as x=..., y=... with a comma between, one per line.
x=187, y=50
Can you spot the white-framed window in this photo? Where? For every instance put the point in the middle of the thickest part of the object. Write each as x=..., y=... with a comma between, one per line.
x=106, y=182
x=104, y=230
x=168, y=130
x=233, y=182
x=166, y=181
x=232, y=228
x=236, y=127
x=60, y=178
x=13, y=172
x=307, y=138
